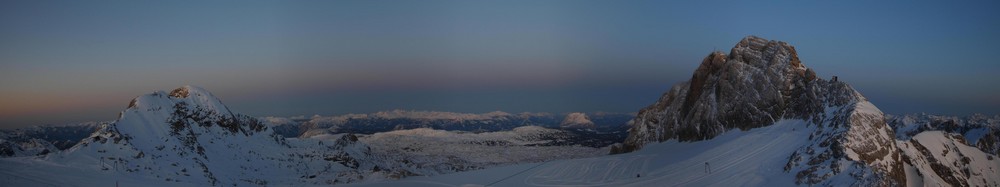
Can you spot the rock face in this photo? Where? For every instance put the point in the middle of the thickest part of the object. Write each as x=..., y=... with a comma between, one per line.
x=945, y=159
x=760, y=82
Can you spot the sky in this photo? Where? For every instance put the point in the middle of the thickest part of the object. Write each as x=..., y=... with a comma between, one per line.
x=73, y=61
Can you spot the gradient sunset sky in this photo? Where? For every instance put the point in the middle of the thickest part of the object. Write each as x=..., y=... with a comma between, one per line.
x=74, y=61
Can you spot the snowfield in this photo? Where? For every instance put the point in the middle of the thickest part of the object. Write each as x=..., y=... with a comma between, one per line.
x=736, y=158
x=941, y=159
x=476, y=150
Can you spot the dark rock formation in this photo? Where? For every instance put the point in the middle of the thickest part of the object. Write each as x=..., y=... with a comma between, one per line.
x=759, y=83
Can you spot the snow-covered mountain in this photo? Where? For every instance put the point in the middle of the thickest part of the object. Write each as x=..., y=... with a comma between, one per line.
x=40, y=140
x=188, y=136
x=25, y=147
x=761, y=82
x=937, y=158
x=947, y=150
x=287, y=127
x=979, y=130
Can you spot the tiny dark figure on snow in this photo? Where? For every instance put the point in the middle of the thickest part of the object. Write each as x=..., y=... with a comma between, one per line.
x=708, y=169
x=636, y=175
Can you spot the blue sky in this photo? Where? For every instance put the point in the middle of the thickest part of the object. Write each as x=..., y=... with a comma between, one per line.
x=70, y=61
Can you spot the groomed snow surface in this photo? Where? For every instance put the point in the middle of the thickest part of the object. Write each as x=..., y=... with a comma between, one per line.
x=736, y=158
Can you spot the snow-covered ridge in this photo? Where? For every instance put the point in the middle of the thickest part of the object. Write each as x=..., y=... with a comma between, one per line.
x=193, y=96
x=979, y=130
x=189, y=137
x=937, y=158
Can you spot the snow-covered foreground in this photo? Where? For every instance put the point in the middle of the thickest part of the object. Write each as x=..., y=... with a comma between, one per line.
x=25, y=171
x=736, y=158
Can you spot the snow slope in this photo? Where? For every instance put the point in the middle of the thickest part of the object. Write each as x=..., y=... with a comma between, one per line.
x=736, y=158
x=979, y=130
x=452, y=151
x=937, y=158
x=40, y=140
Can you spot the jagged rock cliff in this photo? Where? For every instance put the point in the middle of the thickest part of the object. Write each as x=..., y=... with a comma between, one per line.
x=760, y=82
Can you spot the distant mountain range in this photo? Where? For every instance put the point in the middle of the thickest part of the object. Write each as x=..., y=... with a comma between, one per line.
x=401, y=119
x=41, y=140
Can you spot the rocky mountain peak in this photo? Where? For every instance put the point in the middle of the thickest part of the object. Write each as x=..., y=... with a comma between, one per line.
x=191, y=98
x=768, y=54
x=186, y=114
x=759, y=83
x=181, y=92
x=181, y=131
x=188, y=90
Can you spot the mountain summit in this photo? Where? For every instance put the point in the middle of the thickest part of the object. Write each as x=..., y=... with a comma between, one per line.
x=760, y=82
x=189, y=136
